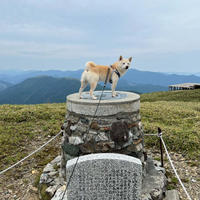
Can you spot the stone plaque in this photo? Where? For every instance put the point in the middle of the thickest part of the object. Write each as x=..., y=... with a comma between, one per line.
x=104, y=176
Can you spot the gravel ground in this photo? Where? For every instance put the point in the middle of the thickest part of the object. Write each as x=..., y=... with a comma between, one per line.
x=188, y=170
x=18, y=183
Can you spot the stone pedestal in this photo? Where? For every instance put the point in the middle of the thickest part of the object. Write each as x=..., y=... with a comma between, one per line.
x=116, y=126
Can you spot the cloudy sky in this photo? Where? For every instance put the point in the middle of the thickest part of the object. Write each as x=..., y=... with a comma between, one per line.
x=161, y=35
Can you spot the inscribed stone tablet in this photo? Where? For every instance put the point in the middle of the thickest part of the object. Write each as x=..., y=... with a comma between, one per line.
x=105, y=176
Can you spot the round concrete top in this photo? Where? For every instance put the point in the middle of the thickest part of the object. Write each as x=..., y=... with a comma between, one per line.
x=123, y=102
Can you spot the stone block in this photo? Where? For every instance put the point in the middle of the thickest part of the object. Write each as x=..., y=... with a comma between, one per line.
x=136, y=142
x=84, y=120
x=104, y=146
x=154, y=181
x=171, y=195
x=73, y=127
x=70, y=149
x=105, y=176
x=134, y=124
x=94, y=125
x=102, y=136
x=88, y=147
x=59, y=194
x=75, y=140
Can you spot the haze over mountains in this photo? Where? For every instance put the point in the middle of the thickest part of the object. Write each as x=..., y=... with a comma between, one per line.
x=30, y=87
x=4, y=85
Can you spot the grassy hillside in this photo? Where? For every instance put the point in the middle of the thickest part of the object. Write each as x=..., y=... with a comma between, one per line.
x=179, y=95
x=22, y=126
x=178, y=115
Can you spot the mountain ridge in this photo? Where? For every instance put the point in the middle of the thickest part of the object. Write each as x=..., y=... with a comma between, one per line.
x=4, y=85
x=133, y=75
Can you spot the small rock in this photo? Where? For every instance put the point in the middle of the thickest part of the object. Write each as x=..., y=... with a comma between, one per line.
x=56, y=160
x=171, y=195
x=51, y=190
x=73, y=128
x=101, y=137
x=10, y=191
x=44, y=178
x=139, y=147
x=162, y=169
x=48, y=168
x=33, y=189
x=75, y=140
x=156, y=194
x=59, y=193
x=193, y=180
x=34, y=171
x=53, y=173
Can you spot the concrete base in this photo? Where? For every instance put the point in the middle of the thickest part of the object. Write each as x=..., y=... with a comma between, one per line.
x=124, y=102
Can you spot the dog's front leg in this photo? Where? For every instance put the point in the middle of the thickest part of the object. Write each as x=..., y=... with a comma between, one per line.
x=114, y=84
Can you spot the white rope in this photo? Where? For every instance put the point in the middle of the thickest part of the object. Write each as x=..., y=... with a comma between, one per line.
x=150, y=134
x=5, y=170
x=172, y=165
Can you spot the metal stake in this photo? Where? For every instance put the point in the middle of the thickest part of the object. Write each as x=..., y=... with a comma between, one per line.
x=161, y=149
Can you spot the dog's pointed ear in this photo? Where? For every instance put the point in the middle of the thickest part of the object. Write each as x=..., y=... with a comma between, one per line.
x=130, y=59
x=120, y=58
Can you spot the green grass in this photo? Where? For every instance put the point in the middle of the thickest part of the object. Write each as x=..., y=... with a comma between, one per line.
x=23, y=127
x=179, y=95
x=178, y=118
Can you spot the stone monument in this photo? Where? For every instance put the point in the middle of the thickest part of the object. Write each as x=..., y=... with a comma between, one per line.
x=104, y=176
x=116, y=126
x=115, y=129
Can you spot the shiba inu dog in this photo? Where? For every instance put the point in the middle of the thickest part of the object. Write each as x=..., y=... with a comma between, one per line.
x=94, y=73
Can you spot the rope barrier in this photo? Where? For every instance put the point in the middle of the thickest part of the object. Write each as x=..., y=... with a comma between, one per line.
x=5, y=170
x=150, y=134
x=172, y=165
x=170, y=160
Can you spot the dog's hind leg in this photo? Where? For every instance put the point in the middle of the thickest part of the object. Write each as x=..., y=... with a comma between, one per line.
x=92, y=88
x=83, y=86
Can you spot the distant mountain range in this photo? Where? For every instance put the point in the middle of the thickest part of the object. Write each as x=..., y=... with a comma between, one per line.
x=39, y=90
x=4, y=85
x=44, y=89
x=156, y=78
x=15, y=77
x=132, y=76
x=31, y=87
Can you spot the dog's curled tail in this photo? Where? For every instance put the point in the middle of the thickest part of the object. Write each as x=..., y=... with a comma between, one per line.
x=89, y=65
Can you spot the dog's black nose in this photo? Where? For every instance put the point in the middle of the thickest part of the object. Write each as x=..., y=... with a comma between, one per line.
x=126, y=67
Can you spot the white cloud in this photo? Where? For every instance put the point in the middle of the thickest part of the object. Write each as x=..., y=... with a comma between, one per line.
x=37, y=49
x=39, y=30
x=60, y=29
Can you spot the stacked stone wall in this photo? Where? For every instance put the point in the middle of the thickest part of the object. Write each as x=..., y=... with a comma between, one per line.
x=119, y=133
